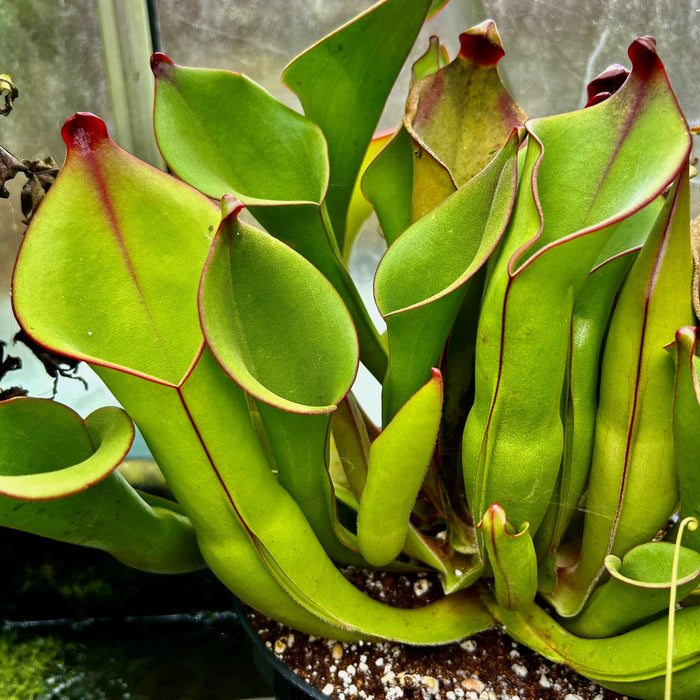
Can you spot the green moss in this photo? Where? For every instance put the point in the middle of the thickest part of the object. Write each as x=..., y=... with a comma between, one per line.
x=26, y=666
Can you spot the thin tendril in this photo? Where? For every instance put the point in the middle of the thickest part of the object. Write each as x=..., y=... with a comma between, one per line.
x=692, y=524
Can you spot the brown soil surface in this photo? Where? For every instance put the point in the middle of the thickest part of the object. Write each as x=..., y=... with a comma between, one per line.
x=488, y=666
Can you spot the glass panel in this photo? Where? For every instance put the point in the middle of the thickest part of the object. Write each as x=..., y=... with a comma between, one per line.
x=53, y=52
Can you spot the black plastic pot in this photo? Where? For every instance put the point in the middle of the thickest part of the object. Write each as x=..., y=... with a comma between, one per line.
x=283, y=682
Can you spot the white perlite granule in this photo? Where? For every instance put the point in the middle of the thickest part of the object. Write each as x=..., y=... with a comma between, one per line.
x=421, y=587
x=519, y=670
x=473, y=684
